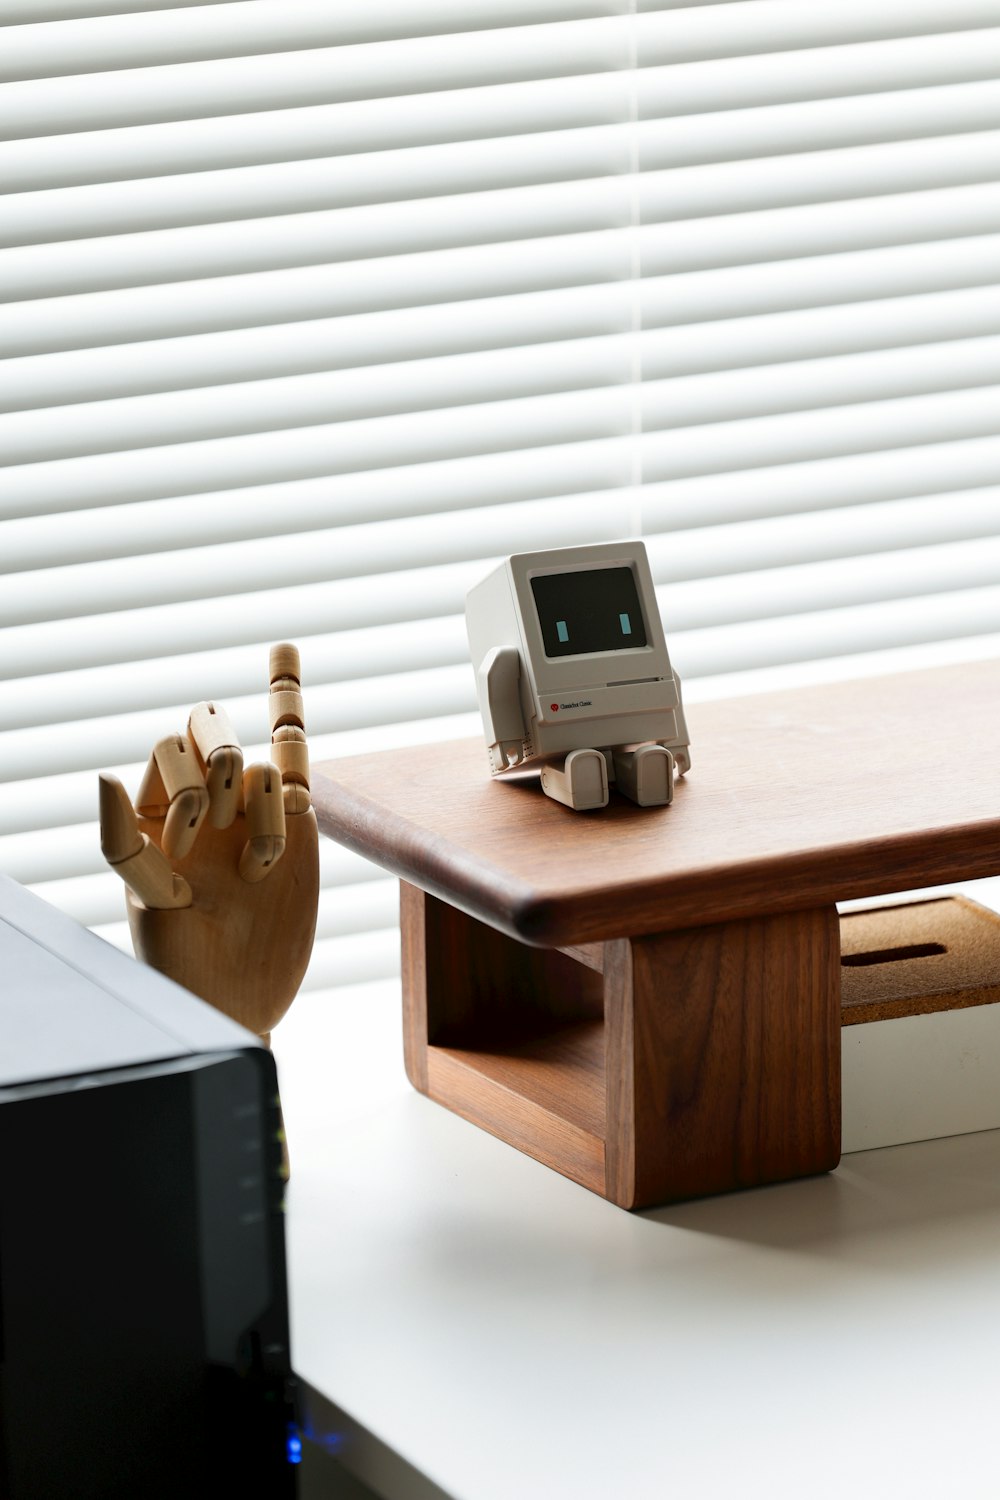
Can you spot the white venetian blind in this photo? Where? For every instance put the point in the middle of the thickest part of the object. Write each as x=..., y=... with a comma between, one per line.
x=310, y=312
x=820, y=210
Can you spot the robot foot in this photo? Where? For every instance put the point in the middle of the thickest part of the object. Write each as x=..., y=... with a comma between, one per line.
x=581, y=784
x=646, y=774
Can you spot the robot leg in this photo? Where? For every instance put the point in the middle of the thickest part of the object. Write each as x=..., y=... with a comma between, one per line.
x=646, y=774
x=582, y=783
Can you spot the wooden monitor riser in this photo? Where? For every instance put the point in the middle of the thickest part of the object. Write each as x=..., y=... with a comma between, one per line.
x=651, y=1001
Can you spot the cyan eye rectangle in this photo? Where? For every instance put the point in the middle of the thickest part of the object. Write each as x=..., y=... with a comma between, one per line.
x=561, y=630
x=626, y=624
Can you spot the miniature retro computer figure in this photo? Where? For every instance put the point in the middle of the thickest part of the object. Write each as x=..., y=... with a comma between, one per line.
x=573, y=674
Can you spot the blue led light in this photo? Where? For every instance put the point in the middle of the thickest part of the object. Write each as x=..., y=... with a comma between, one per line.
x=293, y=1448
x=626, y=624
x=330, y=1441
x=561, y=630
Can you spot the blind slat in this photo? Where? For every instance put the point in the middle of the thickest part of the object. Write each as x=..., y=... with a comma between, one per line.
x=418, y=281
x=380, y=231
x=780, y=545
x=467, y=380
x=247, y=354
x=771, y=593
x=852, y=173
x=761, y=27
x=704, y=297
x=108, y=323
x=243, y=30
x=819, y=636
x=870, y=381
x=721, y=442
x=687, y=147
x=838, y=356
x=148, y=40
x=730, y=100
x=331, y=448
x=817, y=125
x=19, y=12
x=305, y=187
x=841, y=71
x=698, y=552
x=930, y=182
x=448, y=274
x=318, y=130
x=323, y=75
x=596, y=472
x=722, y=447
x=934, y=49
x=784, y=234
x=818, y=484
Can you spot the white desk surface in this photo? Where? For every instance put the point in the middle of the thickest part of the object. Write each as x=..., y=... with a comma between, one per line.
x=511, y=1336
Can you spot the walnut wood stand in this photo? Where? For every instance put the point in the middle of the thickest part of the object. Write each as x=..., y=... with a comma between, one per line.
x=648, y=1069
x=650, y=1001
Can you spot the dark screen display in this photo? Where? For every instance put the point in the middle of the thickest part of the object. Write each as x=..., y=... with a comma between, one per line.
x=591, y=609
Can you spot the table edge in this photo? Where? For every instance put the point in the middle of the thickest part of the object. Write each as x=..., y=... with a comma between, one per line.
x=805, y=881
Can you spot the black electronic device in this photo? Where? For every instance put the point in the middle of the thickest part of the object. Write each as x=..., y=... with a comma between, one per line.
x=143, y=1303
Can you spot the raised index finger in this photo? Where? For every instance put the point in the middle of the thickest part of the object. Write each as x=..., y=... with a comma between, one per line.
x=289, y=750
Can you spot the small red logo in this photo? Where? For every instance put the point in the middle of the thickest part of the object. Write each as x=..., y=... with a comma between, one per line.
x=554, y=707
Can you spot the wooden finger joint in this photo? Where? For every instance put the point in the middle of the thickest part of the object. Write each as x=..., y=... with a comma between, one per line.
x=174, y=788
x=284, y=663
x=210, y=729
x=286, y=707
x=291, y=754
x=150, y=878
x=265, y=821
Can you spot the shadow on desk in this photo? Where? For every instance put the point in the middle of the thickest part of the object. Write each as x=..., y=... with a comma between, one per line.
x=327, y=1433
x=870, y=1197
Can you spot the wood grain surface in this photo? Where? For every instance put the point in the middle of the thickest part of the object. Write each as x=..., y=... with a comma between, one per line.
x=702, y=1061
x=510, y=1037
x=723, y=1057
x=796, y=800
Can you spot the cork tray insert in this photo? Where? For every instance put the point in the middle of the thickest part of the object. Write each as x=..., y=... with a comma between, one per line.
x=916, y=958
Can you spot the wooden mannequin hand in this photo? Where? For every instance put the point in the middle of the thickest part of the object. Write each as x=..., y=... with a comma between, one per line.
x=222, y=864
